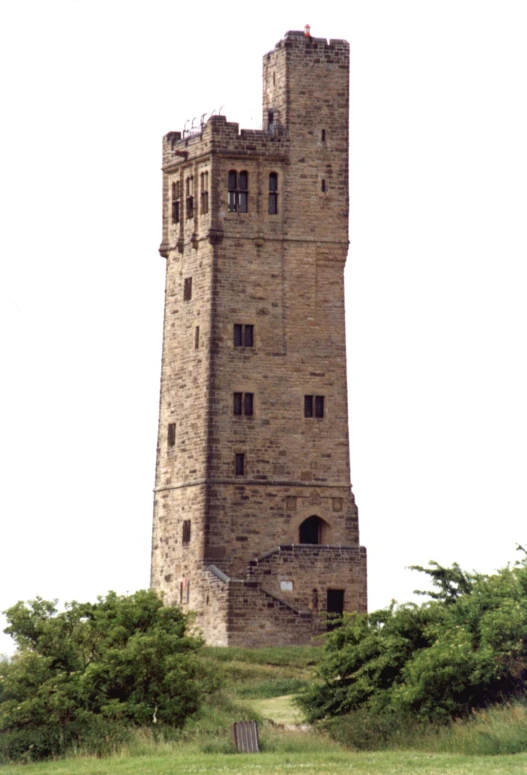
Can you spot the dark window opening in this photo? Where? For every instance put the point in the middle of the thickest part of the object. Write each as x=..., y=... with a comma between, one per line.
x=323, y=185
x=175, y=203
x=186, y=531
x=243, y=194
x=243, y=404
x=190, y=196
x=238, y=188
x=323, y=136
x=175, y=212
x=243, y=335
x=239, y=463
x=204, y=193
x=314, y=406
x=187, y=289
x=171, y=434
x=335, y=608
x=273, y=193
x=310, y=530
x=248, y=404
x=270, y=121
x=196, y=338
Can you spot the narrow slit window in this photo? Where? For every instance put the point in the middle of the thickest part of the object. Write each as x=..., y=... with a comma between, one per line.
x=270, y=121
x=273, y=193
x=319, y=406
x=190, y=197
x=186, y=531
x=196, y=338
x=323, y=185
x=243, y=193
x=187, y=289
x=239, y=463
x=238, y=335
x=237, y=404
x=204, y=193
x=248, y=402
x=248, y=336
x=175, y=202
x=233, y=191
x=323, y=136
x=171, y=434
x=308, y=406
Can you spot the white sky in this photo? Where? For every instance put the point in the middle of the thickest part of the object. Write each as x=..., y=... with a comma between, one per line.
x=436, y=278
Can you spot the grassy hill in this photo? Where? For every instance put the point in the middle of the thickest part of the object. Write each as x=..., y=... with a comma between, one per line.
x=260, y=684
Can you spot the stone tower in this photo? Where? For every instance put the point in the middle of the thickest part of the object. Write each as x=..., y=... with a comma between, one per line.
x=255, y=525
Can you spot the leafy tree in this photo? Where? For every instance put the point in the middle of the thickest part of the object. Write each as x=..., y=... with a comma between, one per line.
x=466, y=648
x=122, y=661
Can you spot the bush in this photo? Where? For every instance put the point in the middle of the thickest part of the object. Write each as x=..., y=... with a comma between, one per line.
x=463, y=650
x=83, y=676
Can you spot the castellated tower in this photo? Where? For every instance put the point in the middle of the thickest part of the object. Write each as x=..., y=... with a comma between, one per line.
x=255, y=524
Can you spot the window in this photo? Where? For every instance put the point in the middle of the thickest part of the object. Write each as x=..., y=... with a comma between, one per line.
x=187, y=289
x=204, y=182
x=175, y=202
x=270, y=121
x=190, y=196
x=171, y=434
x=196, y=338
x=323, y=185
x=310, y=531
x=314, y=406
x=186, y=531
x=238, y=185
x=243, y=404
x=239, y=463
x=323, y=136
x=243, y=335
x=273, y=193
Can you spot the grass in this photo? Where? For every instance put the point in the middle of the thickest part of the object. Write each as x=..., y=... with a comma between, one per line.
x=312, y=760
x=259, y=685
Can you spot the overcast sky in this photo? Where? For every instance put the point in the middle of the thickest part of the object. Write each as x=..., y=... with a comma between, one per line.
x=436, y=275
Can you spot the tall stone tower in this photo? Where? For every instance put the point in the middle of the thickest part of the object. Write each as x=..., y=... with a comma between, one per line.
x=255, y=524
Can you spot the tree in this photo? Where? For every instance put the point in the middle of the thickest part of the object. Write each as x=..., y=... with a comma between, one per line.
x=466, y=648
x=122, y=661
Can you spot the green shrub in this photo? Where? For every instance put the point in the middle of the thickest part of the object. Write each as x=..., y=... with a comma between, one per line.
x=463, y=650
x=82, y=676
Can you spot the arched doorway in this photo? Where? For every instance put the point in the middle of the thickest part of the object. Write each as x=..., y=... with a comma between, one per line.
x=310, y=531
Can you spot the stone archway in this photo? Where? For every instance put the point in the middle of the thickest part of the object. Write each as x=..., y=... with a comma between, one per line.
x=312, y=530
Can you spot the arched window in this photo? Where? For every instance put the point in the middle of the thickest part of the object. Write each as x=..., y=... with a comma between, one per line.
x=175, y=202
x=204, y=192
x=238, y=187
x=273, y=193
x=310, y=531
x=190, y=196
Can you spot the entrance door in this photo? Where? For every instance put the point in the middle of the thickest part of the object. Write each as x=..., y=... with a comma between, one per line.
x=335, y=607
